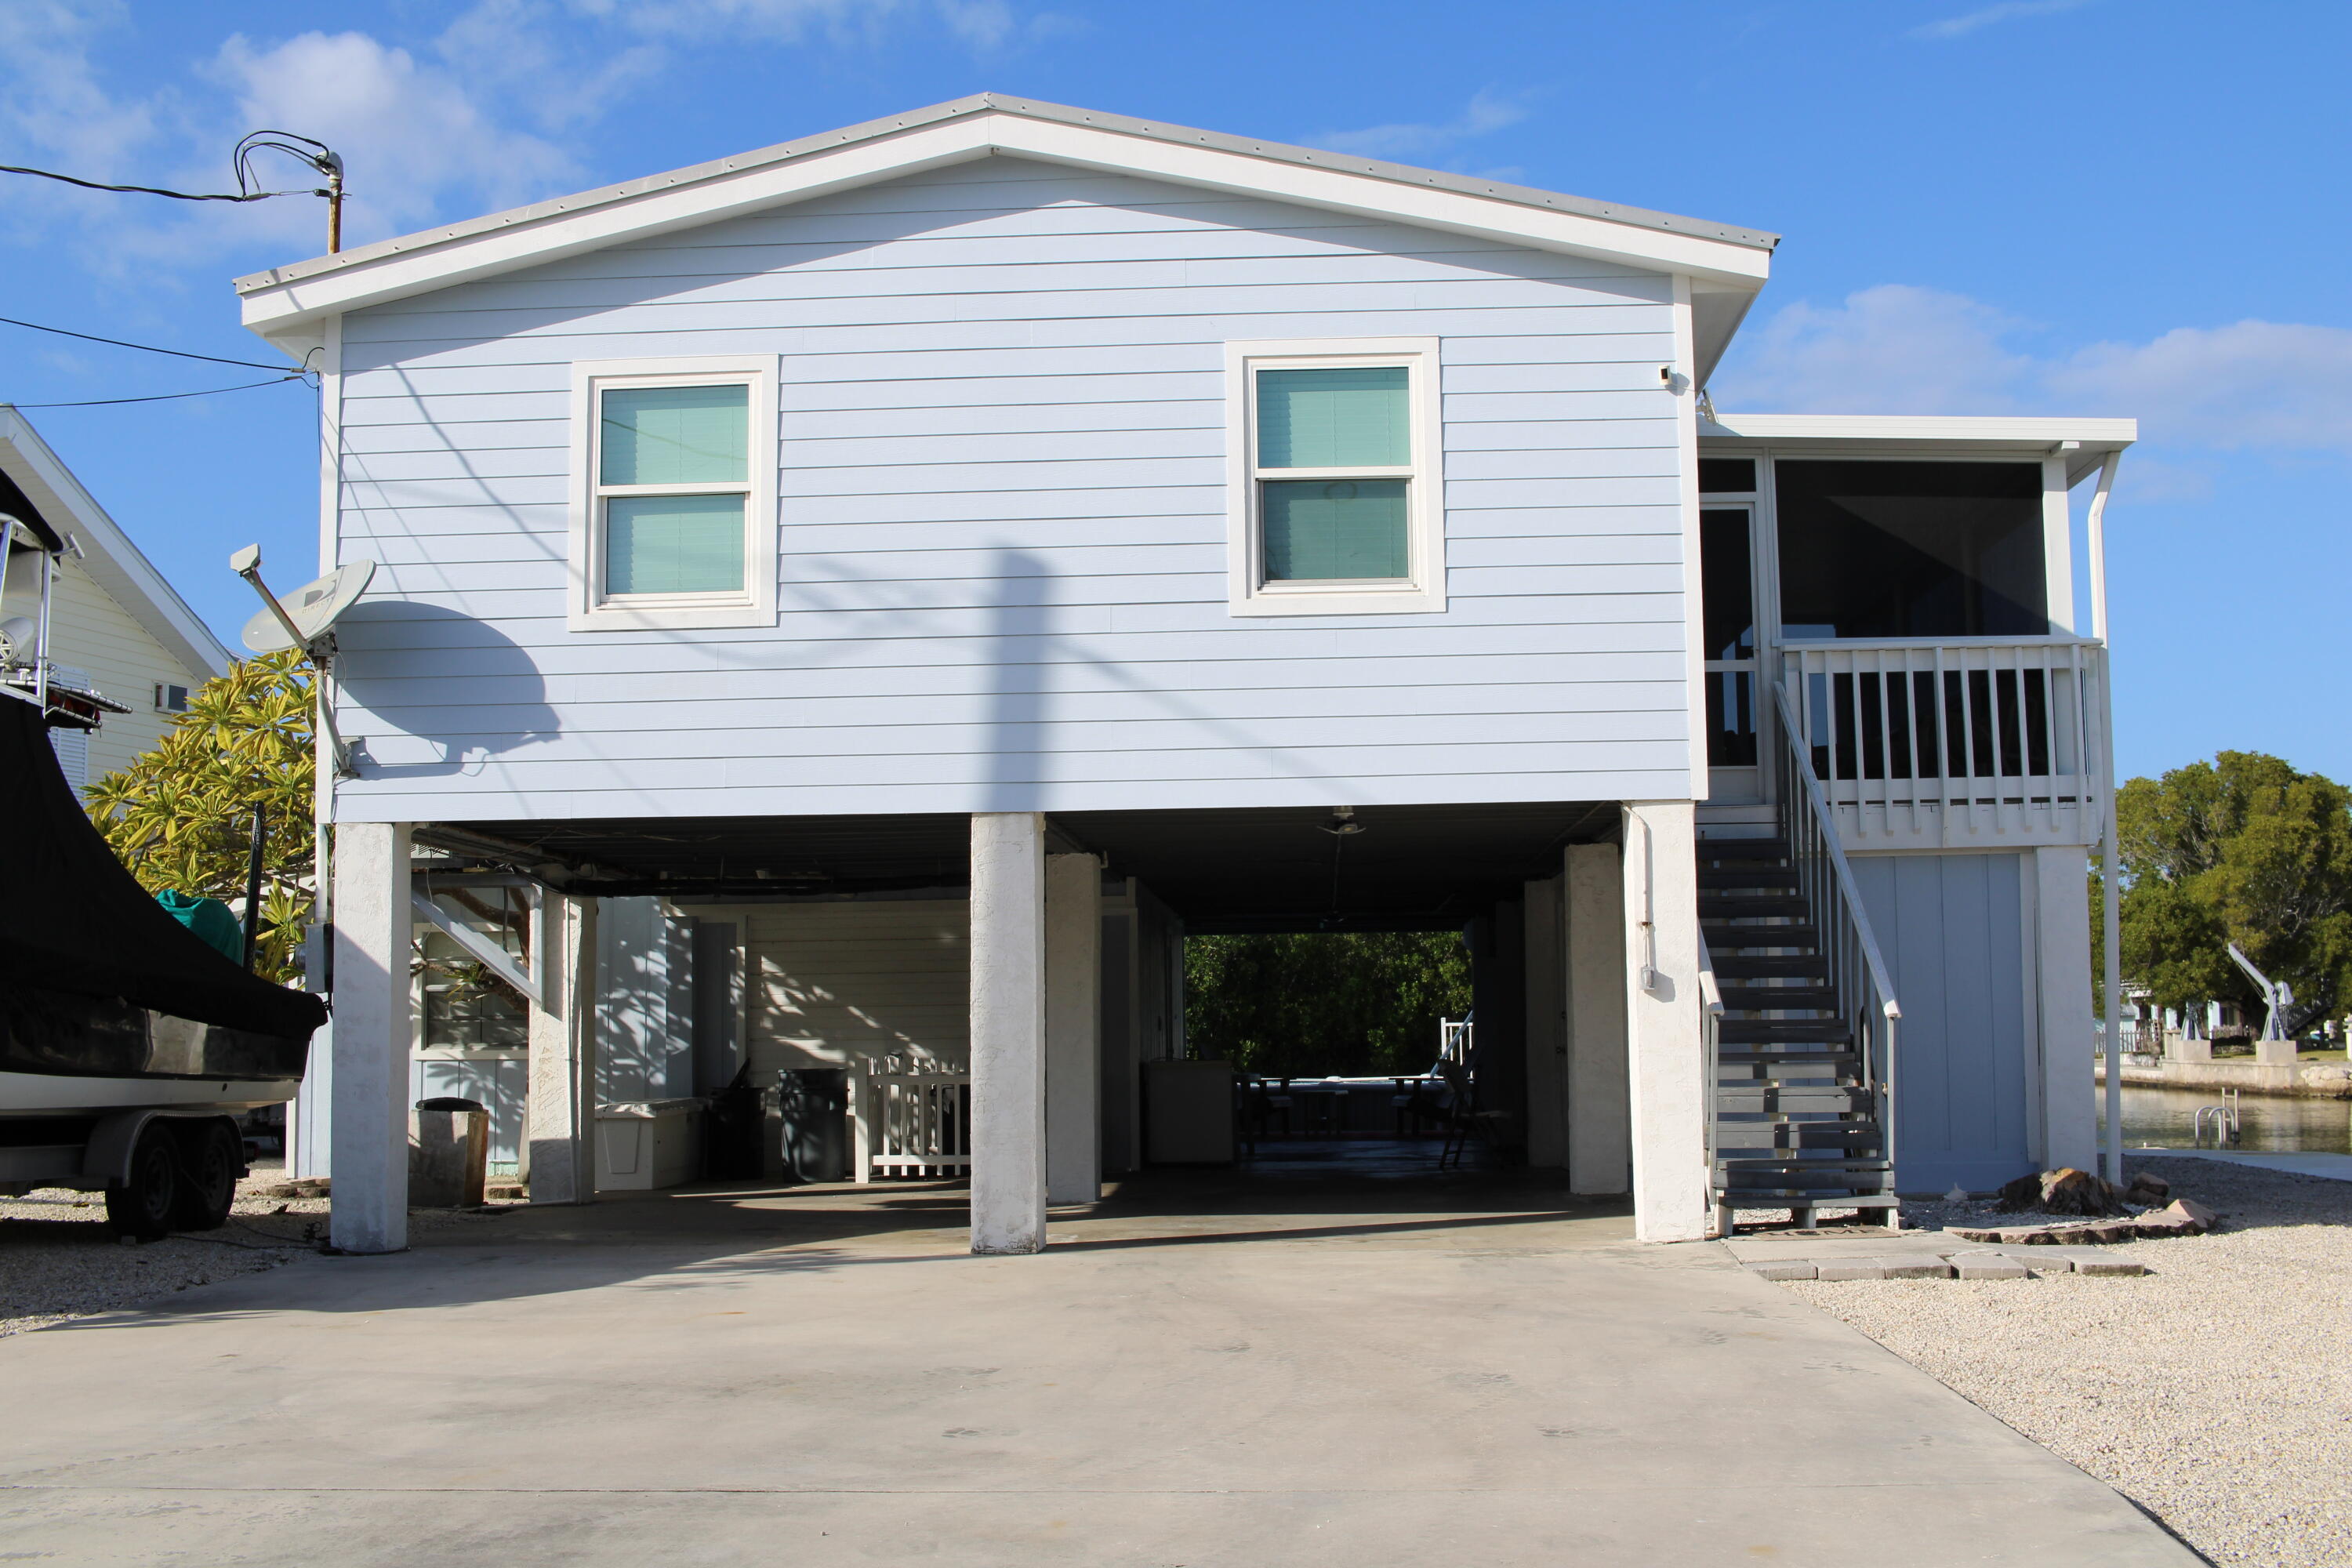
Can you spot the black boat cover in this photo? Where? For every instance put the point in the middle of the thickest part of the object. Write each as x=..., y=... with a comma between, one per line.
x=73, y=919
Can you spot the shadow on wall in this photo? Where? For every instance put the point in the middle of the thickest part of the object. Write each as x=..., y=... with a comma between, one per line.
x=489, y=697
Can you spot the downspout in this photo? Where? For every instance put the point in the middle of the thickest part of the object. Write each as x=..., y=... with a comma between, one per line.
x=2110, y=858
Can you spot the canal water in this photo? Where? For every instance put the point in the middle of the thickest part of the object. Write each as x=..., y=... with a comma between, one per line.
x=2166, y=1118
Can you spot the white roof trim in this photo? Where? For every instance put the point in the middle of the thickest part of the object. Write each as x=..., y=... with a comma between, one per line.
x=2082, y=442
x=119, y=565
x=287, y=301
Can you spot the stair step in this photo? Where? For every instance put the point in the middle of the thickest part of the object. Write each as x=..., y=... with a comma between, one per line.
x=1784, y=967
x=1750, y=1165
x=1865, y=1173
x=1784, y=1200
x=1752, y=905
x=1743, y=849
x=1785, y=1031
x=1720, y=935
x=1749, y=877
x=1778, y=998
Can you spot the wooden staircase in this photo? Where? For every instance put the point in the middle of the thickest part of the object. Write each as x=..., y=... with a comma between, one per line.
x=1798, y=1100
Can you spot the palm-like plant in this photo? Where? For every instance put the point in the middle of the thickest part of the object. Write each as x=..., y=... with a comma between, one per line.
x=182, y=815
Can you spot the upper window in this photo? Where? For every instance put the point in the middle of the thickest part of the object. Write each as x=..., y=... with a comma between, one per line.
x=675, y=512
x=1337, y=507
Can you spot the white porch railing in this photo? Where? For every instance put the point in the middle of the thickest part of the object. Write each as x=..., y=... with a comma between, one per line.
x=911, y=1123
x=1953, y=741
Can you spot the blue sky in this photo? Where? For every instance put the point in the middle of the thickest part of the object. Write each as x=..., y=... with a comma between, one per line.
x=2064, y=207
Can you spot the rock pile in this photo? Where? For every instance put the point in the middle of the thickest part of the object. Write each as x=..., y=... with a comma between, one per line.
x=2111, y=1214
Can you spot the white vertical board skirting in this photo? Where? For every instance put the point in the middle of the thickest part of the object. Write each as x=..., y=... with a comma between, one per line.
x=2070, y=1117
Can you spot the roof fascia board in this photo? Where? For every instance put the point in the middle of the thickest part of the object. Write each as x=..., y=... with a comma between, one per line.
x=278, y=304
x=117, y=564
x=2083, y=442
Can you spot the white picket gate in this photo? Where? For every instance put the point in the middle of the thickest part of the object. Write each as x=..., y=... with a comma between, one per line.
x=911, y=1123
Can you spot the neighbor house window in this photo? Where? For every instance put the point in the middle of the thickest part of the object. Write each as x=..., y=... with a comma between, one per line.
x=674, y=464
x=1334, y=492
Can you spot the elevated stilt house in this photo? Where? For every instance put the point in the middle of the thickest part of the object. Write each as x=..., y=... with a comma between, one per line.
x=860, y=604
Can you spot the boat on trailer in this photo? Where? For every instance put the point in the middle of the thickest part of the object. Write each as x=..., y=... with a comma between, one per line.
x=128, y=1046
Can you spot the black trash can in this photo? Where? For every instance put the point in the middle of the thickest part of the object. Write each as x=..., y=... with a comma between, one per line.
x=814, y=1105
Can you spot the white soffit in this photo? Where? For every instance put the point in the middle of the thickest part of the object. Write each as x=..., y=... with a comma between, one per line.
x=284, y=304
x=2083, y=442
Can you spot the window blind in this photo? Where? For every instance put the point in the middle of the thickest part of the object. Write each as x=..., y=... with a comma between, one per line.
x=674, y=544
x=675, y=434
x=1343, y=417
x=1336, y=529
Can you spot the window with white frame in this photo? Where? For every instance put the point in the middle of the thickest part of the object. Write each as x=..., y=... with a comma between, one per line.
x=674, y=487
x=1336, y=502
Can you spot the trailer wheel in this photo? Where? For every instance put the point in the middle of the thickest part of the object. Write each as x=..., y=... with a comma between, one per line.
x=211, y=1157
x=145, y=1206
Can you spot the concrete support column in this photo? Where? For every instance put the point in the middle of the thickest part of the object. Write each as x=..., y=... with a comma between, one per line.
x=1547, y=1005
x=1073, y=1028
x=1600, y=1102
x=1008, y=1031
x=1670, y=1092
x=369, y=1120
x=2070, y=1116
x=561, y=1115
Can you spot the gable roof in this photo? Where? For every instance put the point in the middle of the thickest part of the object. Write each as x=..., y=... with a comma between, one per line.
x=288, y=304
x=120, y=567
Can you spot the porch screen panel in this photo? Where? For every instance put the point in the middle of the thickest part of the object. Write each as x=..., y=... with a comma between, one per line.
x=1911, y=550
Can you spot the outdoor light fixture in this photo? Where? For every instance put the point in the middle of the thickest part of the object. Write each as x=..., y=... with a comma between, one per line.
x=1343, y=822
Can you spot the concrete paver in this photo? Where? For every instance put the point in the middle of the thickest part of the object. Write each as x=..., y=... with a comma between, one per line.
x=825, y=1377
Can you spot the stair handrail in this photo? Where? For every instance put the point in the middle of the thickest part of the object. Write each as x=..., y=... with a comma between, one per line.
x=1812, y=832
x=1711, y=1007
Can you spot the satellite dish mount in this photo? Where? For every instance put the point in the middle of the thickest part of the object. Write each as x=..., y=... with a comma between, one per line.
x=306, y=619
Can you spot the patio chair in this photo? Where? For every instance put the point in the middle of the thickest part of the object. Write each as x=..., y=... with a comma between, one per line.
x=1464, y=1120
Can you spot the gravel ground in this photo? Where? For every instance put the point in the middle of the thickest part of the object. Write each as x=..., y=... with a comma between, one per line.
x=58, y=1260
x=2215, y=1392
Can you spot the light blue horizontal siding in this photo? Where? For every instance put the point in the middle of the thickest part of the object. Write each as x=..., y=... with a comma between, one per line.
x=1000, y=464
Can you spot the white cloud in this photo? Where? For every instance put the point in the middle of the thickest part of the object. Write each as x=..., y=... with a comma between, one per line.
x=2251, y=384
x=2280, y=386
x=1893, y=349
x=2008, y=10
x=412, y=136
x=1488, y=110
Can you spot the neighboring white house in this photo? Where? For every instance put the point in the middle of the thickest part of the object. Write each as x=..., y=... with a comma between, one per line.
x=114, y=622
x=931, y=567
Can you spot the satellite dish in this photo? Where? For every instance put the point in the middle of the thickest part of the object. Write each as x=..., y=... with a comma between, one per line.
x=17, y=634
x=313, y=609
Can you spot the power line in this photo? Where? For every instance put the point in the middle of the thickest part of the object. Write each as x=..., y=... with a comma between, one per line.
x=155, y=190
x=149, y=348
x=166, y=396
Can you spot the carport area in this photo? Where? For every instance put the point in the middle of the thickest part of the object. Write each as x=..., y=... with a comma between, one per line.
x=1491, y=1371
x=995, y=990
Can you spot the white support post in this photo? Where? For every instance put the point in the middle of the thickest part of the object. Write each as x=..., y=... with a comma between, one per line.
x=1667, y=1065
x=560, y=1111
x=1008, y=1032
x=1073, y=1028
x=372, y=1025
x=1600, y=1107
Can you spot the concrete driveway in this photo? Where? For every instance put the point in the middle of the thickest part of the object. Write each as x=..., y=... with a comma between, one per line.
x=1197, y=1374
